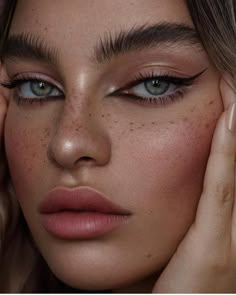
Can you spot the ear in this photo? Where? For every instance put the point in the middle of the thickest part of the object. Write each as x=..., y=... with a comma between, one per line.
x=4, y=92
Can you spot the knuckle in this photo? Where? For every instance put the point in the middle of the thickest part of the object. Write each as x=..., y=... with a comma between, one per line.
x=225, y=193
x=220, y=264
x=222, y=192
x=217, y=261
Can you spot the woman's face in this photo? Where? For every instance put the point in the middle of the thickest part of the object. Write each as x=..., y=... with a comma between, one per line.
x=147, y=156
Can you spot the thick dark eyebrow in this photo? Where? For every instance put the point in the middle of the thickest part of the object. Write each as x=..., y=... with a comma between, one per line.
x=29, y=46
x=143, y=37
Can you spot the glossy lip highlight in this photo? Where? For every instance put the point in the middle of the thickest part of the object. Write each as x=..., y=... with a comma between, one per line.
x=81, y=213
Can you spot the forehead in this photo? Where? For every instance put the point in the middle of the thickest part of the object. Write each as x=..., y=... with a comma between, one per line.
x=86, y=20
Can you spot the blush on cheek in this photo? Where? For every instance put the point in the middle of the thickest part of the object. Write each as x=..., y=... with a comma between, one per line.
x=189, y=148
x=23, y=156
x=187, y=151
x=179, y=172
x=173, y=164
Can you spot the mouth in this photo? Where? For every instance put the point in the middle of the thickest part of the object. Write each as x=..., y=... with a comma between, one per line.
x=82, y=213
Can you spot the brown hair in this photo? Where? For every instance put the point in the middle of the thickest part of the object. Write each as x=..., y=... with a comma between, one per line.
x=6, y=14
x=216, y=25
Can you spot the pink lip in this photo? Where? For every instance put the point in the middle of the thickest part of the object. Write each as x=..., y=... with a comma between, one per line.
x=81, y=213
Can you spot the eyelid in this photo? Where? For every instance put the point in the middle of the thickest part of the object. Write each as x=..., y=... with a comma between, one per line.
x=143, y=76
x=38, y=77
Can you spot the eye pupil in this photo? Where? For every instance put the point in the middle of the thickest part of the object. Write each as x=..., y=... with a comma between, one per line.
x=156, y=83
x=41, y=88
x=42, y=85
x=156, y=87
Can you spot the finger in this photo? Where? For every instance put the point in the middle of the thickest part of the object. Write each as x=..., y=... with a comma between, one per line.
x=3, y=100
x=214, y=214
x=228, y=99
x=3, y=109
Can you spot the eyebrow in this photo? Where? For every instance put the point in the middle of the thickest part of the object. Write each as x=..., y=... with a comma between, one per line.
x=111, y=45
x=29, y=46
x=143, y=37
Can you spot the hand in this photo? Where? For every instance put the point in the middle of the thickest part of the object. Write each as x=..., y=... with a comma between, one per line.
x=205, y=261
x=4, y=93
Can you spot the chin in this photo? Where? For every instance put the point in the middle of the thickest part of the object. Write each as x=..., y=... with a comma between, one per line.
x=94, y=283
x=100, y=278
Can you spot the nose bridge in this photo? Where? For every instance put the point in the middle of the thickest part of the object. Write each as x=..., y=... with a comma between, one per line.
x=77, y=110
x=79, y=138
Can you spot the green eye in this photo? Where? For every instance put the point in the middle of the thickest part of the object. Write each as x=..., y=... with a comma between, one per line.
x=156, y=87
x=37, y=89
x=40, y=88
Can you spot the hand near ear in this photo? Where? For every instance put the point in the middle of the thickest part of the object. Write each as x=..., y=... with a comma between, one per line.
x=3, y=110
x=205, y=260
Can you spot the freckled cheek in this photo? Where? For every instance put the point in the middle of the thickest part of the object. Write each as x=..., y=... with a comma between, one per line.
x=169, y=163
x=25, y=151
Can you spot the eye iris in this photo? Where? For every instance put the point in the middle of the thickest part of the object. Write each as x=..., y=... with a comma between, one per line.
x=41, y=88
x=156, y=87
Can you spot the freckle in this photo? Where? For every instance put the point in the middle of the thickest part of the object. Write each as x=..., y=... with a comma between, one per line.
x=103, y=115
x=115, y=121
x=131, y=123
x=131, y=130
x=108, y=115
x=143, y=125
x=192, y=110
x=211, y=102
x=199, y=125
x=153, y=123
x=207, y=125
x=148, y=255
x=185, y=119
x=172, y=122
x=90, y=114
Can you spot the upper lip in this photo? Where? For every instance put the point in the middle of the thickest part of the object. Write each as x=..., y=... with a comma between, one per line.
x=80, y=199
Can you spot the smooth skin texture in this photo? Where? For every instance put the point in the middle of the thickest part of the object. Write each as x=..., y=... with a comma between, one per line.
x=149, y=159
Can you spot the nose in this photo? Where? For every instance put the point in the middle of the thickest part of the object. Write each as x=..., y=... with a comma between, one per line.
x=80, y=139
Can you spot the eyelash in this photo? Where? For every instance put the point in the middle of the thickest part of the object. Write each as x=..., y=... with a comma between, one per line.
x=180, y=82
x=141, y=78
x=26, y=78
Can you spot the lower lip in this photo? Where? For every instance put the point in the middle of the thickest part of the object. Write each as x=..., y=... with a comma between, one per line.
x=81, y=225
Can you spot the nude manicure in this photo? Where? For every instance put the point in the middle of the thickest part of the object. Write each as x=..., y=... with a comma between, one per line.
x=232, y=118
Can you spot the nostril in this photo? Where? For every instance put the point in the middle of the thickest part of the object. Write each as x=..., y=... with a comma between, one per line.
x=85, y=159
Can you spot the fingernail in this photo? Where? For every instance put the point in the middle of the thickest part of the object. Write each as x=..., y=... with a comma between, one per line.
x=231, y=120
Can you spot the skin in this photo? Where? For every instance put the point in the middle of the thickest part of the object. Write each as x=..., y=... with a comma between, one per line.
x=46, y=145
